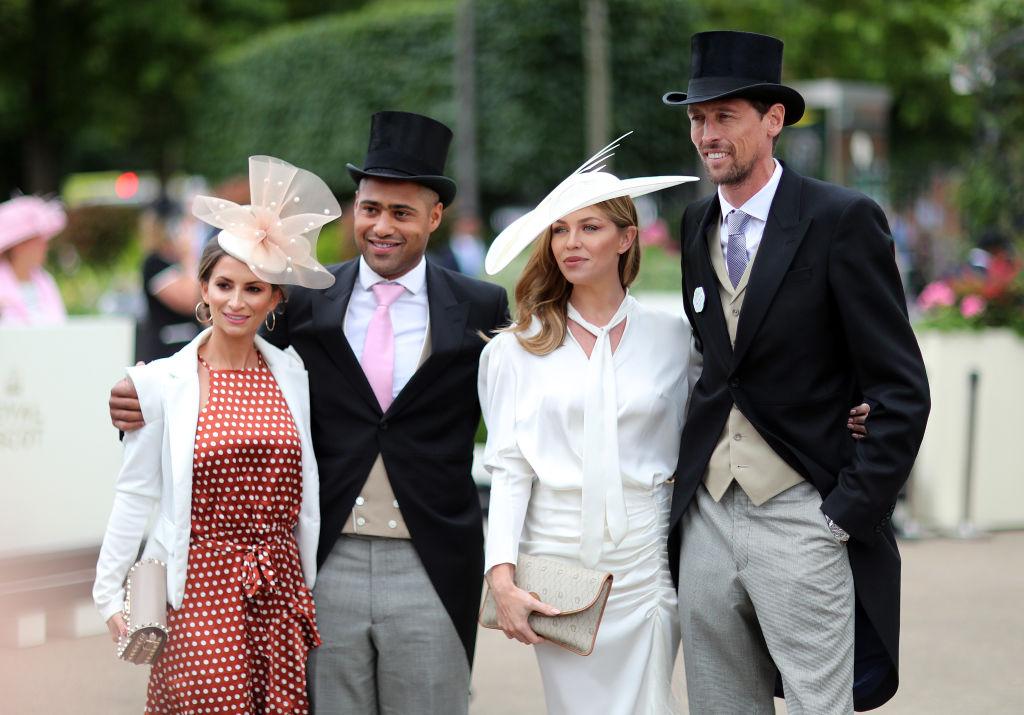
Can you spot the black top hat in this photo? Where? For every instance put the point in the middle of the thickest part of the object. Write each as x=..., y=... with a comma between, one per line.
x=726, y=64
x=408, y=147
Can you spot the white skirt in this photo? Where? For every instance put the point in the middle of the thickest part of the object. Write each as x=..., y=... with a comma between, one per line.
x=630, y=670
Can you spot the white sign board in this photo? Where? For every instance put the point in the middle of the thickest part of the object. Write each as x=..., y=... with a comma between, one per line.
x=59, y=454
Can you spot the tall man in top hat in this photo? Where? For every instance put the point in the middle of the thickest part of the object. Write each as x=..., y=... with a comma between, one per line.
x=787, y=557
x=392, y=351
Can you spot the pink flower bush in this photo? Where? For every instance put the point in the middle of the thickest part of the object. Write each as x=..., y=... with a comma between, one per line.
x=936, y=294
x=973, y=300
x=972, y=305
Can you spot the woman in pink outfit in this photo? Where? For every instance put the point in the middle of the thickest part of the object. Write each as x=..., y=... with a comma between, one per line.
x=28, y=294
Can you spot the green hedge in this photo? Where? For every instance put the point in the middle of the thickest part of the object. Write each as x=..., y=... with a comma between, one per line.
x=306, y=92
x=97, y=253
x=96, y=235
x=531, y=87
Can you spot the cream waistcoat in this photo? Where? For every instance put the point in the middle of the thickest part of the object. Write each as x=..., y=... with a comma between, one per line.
x=742, y=453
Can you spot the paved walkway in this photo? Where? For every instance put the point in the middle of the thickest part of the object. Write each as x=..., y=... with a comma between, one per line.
x=963, y=648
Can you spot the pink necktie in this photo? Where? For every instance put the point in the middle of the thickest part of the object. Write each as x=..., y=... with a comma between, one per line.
x=379, y=349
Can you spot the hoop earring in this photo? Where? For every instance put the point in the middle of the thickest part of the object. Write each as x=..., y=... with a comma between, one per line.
x=209, y=316
x=271, y=324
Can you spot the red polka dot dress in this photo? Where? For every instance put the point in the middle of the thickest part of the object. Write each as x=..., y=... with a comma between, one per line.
x=239, y=642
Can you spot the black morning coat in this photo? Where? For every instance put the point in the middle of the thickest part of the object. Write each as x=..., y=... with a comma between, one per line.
x=425, y=437
x=824, y=323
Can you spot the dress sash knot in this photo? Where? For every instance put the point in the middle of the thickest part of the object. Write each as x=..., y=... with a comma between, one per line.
x=258, y=572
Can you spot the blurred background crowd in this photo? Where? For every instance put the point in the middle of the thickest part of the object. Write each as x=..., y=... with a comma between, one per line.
x=117, y=113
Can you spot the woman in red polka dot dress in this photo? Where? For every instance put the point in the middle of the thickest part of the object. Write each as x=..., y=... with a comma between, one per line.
x=226, y=457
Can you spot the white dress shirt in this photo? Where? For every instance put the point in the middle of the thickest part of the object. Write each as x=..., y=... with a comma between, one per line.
x=534, y=406
x=757, y=207
x=410, y=315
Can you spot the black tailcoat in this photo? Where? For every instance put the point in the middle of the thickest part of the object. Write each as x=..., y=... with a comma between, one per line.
x=426, y=436
x=824, y=323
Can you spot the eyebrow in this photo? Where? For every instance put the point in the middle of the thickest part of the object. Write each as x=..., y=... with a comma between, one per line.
x=585, y=218
x=390, y=207
x=219, y=277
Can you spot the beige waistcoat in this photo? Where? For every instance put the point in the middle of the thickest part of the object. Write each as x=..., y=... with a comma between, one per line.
x=376, y=511
x=742, y=453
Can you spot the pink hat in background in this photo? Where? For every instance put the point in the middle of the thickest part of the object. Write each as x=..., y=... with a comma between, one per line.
x=25, y=217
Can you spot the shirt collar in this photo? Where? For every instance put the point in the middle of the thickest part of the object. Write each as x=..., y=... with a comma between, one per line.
x=760, y=203
x=414, y=281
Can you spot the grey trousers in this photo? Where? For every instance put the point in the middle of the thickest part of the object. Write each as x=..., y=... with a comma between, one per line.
x=760, y=588
x=389, y=645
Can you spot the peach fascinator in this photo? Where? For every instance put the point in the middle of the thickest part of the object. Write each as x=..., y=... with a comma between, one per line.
x=276, y=234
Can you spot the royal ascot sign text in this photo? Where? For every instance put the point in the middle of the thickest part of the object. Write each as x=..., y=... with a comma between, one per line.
x=21, y=420
x=59, y=454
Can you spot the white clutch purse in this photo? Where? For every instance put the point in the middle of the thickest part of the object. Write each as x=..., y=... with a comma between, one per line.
x=145, y=613
x=579, y=593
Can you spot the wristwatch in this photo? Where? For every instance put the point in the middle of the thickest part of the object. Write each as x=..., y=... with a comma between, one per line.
x=837, y=531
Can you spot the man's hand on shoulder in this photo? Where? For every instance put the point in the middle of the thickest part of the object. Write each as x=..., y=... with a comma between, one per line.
x=125, y=411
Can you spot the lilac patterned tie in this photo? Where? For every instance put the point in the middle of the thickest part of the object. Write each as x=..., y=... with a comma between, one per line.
x=378, y=359
x=736, y=247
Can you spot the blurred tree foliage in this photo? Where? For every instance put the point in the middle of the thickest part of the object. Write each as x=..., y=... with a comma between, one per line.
x=306, y=92
x=989, y=57
x=97, y=235
x=110, y=84
x=201, y=84
x=106, y=83
x=530, y=92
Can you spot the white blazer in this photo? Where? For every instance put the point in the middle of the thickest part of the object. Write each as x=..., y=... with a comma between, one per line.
x=157, y=472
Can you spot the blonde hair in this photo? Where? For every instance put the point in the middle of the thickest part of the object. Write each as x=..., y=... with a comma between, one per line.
x=542, y=292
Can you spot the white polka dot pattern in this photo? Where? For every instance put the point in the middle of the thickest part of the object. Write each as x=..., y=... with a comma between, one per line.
x=239, y=642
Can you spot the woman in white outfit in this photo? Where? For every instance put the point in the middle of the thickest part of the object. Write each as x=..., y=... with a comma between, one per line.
x=584, y=399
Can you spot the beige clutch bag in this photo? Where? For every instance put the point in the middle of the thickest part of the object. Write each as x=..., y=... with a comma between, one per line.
x=579, y=593
x=145, y=613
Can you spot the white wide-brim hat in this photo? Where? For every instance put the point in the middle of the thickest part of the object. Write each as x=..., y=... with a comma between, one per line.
x=276, y=234
x=586, y=186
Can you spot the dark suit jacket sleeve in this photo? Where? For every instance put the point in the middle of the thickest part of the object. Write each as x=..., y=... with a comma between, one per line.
x=866, y=288
x=502, y=317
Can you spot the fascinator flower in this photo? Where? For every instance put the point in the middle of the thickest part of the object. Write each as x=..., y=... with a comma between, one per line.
x=276, y=234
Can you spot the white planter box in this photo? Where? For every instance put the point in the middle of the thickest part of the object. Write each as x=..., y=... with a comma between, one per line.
x=997, y=493
x=59, y=454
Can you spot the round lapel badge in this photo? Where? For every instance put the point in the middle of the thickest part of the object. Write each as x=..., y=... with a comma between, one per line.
x=698, y=299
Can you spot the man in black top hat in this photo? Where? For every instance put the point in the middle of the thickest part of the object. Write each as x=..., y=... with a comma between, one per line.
x=788, y=570
x=401, y=541
x=392, y=350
